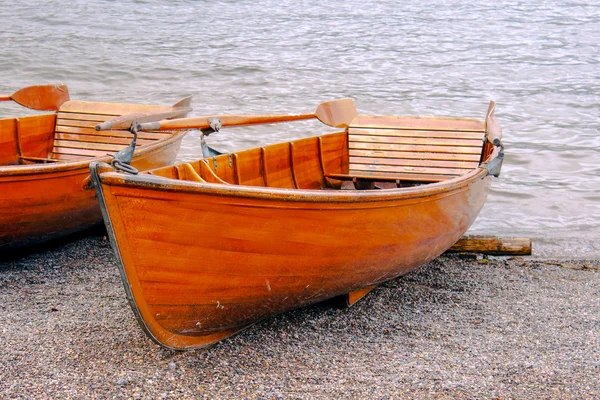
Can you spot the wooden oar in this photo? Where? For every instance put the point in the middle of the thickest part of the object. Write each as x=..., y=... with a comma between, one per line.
x=124, y=121
x=41, y=97
x=336, y=113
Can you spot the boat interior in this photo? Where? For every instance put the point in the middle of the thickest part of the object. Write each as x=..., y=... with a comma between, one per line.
x=69, y=134
x=373, y=153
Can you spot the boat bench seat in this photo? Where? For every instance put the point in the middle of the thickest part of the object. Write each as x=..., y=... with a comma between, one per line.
x=419, y=149
x=75, y=137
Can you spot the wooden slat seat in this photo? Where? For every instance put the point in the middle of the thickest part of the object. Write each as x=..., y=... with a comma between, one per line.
x=412, y=148
x=76, y=139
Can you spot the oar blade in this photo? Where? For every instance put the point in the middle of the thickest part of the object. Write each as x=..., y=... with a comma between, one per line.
x=337, y=113
x=42, y=97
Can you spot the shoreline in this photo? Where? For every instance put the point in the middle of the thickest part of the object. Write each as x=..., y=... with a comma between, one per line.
x=459, y=327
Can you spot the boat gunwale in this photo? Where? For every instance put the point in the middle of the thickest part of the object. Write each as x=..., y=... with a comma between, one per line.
x=163, y=184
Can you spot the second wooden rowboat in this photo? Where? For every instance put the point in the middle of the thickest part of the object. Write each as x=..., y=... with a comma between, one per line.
x=45, y=189
x=209, y=247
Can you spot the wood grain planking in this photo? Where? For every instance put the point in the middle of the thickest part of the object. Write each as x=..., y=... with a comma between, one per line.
x=72, y=157
x=236, y=275
x=417, y=133
x=415, y=155
x=187, y=173
x=224, y=167
x=208, y=174
x=354, y=161
x=76, y=135
x=234, y=290
x=249, y=164
x=277, y=166
x=498, y=246
x=58, y=152
x=306, y=165
x=8, y=142
x=68, y=116
x=419, y=141
x=127, y=134
x=77, y=123
x=88, y=146
x=334, y=150
x=170, y=172
x=385, y=176
x=101, y=139
x=414, y=148
x=376, y=169
x=35, y=134
x=419, y=123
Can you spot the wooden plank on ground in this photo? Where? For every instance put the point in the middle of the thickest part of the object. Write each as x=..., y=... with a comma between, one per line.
x=493, y=245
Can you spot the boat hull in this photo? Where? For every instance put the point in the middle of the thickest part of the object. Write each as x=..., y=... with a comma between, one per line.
x=48, y=201
x=202, y=262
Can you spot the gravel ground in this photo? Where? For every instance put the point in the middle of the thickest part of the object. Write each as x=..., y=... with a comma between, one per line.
x=459, y=327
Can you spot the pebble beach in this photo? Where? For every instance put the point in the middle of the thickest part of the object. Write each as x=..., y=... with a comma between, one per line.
x=463, y=326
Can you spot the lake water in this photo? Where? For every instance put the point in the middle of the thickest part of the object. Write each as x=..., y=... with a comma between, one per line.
x=539, y=60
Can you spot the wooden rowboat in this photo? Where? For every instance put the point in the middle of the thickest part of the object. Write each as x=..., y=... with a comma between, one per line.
x=45, y=190
x=209, y=247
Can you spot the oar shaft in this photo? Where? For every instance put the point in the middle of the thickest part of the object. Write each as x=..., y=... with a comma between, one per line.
x=125, y=121
x=5, y=98
x=227, y=120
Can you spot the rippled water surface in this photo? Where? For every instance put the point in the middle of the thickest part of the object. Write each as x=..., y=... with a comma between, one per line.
x=539, y=60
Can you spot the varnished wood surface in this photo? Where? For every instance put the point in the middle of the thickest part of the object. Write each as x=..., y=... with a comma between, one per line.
x=336, y=113
x=54, y=199
x=422, y=123
x=76, y=135
x=125, y=121
x=45, y=187
x=420, y=148
x=261, y=256
x=9, y=153
x=236, y=238
x=498, y=246
x=353, y=297
x=40, y=97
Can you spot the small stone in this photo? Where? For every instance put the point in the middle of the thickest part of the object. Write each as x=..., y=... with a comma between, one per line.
x=172, y=366
x=123, y=382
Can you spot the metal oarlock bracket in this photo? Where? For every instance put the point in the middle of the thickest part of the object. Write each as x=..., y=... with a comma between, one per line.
x=122, y=159
x=495, y=165
x=215, y=125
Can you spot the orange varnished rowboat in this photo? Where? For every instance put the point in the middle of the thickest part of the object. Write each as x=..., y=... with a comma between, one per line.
x=45, y=190
x=209, y=247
